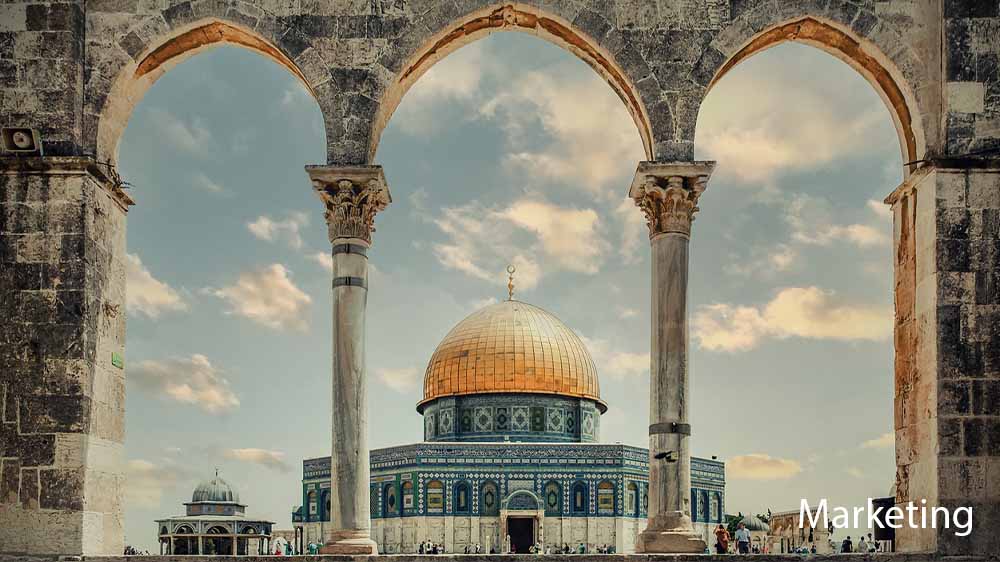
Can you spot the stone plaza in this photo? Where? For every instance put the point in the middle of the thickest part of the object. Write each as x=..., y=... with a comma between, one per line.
x=71, y=73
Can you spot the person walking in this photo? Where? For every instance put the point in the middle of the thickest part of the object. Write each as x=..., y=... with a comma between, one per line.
x=722, y=539
x=742, y=539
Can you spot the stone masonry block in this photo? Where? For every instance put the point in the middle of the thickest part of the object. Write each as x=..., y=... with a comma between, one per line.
x=966, y=97
x=62, y=489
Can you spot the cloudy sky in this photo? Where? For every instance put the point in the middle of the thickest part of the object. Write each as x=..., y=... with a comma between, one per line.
x=509, y=150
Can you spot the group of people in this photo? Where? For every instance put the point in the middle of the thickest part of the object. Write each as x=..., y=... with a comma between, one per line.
x=742, y=539
x=869, y=545
x=428, y=547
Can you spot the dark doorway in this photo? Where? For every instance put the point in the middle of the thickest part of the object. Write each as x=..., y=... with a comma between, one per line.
x=522, y=533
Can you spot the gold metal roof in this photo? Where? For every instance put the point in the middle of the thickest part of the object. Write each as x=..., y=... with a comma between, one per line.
x=511, y=347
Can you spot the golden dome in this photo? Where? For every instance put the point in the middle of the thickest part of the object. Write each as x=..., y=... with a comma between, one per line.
x=511, y=347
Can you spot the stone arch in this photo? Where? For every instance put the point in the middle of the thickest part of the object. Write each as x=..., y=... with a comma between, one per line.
x=512, y=16
x=739, y=42
x=111, y=106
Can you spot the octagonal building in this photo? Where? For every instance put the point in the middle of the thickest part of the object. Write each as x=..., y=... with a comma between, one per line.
x=511, y=455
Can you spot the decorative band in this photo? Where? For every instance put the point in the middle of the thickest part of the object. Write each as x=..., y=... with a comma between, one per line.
x=350, y=249
x=349, y=282
x=670, y=427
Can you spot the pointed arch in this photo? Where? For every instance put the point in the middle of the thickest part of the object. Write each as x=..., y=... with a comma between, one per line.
x=513, y=16
x=133, y=80
x=853, y=49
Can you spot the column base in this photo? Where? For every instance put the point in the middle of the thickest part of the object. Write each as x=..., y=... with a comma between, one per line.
x=670, y=533
x=349, y=542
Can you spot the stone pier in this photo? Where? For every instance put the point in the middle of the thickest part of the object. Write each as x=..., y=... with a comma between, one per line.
x=668, y=195
x=353, y=196
x=62, y=356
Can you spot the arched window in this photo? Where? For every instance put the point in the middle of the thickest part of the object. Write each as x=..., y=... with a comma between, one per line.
x=645, y=501
x=489, y=502
x=390, y=504
x=705, y=514
x=407, y=495
x=632, y=500
x=553, y=499
x=435, y=497
x=373, y=501
x=313, y=506
x=714, y=511
x=606, y=497
x=324, y=506
x=462, y=503
x=580, y=499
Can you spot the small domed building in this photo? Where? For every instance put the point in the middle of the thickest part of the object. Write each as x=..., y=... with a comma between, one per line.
x=511, y=455
x=214, y=522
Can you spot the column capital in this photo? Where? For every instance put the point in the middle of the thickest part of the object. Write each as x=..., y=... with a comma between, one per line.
x=353, y=195
x=668, y=192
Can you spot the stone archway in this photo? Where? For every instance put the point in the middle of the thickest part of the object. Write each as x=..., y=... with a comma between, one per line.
x=863, y=56
x=515, y=16
x=134, y=79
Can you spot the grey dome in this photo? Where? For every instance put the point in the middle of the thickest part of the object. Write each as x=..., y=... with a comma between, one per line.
x=754, y=523
x=215, y=490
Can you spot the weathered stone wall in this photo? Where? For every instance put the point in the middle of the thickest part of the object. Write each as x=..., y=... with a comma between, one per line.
x=972, y=68
x=62, y=295
x=358, y=56
x=966, y=214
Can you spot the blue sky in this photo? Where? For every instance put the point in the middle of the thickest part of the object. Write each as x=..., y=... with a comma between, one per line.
x=509, y=150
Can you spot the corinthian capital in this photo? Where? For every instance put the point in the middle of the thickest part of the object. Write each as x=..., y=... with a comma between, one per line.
x=668, y=192
x=353, y=195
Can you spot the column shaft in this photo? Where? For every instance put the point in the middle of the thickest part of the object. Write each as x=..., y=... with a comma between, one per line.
x=668, y=195
x=670, y=482
x=352, y=196
x=349, y=467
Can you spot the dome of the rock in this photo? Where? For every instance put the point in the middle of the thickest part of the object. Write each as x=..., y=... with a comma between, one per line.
x=511, y=347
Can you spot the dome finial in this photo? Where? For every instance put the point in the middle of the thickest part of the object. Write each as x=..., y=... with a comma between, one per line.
x=510, y=282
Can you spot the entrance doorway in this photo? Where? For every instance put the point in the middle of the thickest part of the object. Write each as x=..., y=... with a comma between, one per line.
x=522, y=533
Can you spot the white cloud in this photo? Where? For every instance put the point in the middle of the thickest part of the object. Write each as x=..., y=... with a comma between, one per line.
x=205, y=183
x=758, y=466
x=147, y=295
x=324, y=259
x=611, y=361
x=804, y=312
x=274, y=460
x=289, y=228
x=145, y=482
x=191, y=137
x=592, y=140
x=456, y=78
x=482, y=240
x=810, y=221
x=782, y=125
x=401, y=380
x=482, y=303
x=268, y=297
x=625, y=313
x=763, y=262
x=192, y=380
x=570, y=237
x=880, y=209
x=884, y=441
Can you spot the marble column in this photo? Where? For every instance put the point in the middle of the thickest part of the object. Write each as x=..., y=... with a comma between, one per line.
x=668, y=192
x=353, y=196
